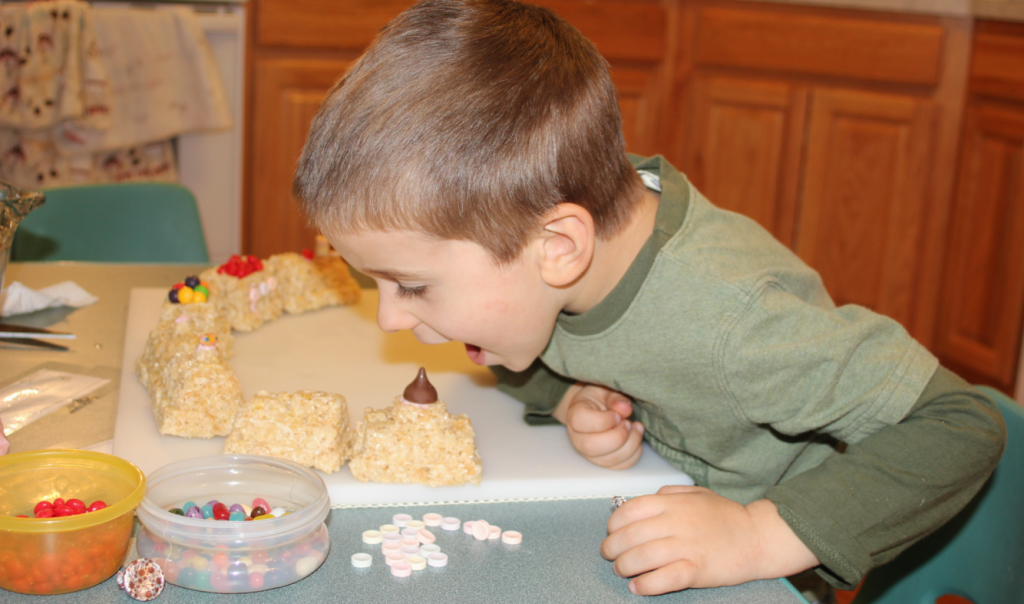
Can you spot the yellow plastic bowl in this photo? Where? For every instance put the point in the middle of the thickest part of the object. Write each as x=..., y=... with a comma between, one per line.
x=60, y=555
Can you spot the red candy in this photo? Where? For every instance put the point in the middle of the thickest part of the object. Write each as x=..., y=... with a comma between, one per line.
x=58, y=502
x=307, y=254
x=62, y=510
x=75, y=503
x=45, y=513
x=41, y=506
x=240, y=266
x=96, y=505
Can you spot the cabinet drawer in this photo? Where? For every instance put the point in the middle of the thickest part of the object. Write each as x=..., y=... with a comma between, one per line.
x=819, y=43
x=997, y=67
x=621, y=29
x=342, y=24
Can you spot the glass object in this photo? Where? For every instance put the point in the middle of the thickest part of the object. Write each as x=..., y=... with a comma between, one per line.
x=15, y=204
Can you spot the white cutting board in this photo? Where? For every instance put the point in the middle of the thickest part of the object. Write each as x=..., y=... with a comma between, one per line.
x=342, y=350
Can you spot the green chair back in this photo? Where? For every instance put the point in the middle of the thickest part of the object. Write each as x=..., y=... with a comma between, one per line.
x=128, y=222
x=979, y=555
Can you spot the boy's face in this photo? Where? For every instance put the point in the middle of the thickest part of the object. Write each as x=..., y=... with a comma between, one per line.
x=446, y=290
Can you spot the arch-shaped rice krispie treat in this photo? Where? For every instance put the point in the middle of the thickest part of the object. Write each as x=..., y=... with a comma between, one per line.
x=309, y=428
x=244, y=291
x=306, y=282
x=198, y=393
x=416, y=440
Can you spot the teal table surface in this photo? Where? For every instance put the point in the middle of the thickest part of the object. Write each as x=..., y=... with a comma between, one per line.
x=558, y=561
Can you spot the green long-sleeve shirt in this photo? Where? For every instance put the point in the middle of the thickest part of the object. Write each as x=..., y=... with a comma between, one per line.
x=747, y=377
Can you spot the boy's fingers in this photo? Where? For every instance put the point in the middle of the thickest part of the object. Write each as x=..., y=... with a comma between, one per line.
x=628, y=453
x=650, y=556
x=597, y=445
x=586, y=420
x=681, y=574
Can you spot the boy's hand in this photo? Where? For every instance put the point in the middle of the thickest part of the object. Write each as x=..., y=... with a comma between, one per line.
x=686, y=536
x=596, y=421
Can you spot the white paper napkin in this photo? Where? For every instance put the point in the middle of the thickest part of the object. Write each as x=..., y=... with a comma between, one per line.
x=18, y=299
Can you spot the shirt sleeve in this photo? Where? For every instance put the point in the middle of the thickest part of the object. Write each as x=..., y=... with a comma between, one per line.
x=540, y=388
x=861, y=508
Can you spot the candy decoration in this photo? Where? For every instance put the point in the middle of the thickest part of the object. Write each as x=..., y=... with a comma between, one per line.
x=257, y=511
x=96, y=505
x=192, y=281
x=207, y=511
x=142, y=580
x=185, y=295
x=240, y=266
x=198, y=297
x=176, y=511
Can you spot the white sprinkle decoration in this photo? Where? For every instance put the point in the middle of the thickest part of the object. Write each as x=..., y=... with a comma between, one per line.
x=450, y=523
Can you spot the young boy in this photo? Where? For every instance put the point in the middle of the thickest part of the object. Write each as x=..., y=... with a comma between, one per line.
x=472, y=163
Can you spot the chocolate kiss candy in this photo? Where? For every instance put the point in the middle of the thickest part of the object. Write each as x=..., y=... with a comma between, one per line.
x=420, y=390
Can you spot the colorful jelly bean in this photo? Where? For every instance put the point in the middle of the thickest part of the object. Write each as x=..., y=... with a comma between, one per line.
x=96, y=505
x=41, y=506
x=194, y=512
x=188, y=504
x=176, y=511
x=257, y=511
x=238, y=516
x=236, y=508
x=207, y=511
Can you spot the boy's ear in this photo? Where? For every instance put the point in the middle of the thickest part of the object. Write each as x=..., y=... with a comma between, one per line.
x=565, y=244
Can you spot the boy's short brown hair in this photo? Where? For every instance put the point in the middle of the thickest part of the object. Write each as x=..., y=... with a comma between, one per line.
x=469, y=120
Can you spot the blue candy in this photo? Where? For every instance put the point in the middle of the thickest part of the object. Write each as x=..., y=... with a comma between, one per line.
x=237, y=516
x=207, y=511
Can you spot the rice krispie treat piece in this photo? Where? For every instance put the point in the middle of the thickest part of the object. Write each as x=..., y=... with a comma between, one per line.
x=245, y=293
x=416, y=440
x=181, y=319
x=306, y=282
x=198, y=394
x=309, y=428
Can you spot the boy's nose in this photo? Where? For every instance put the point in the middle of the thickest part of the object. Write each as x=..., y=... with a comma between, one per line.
x=391, y=318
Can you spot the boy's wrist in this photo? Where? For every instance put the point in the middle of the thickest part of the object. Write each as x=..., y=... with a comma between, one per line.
x=781, y=552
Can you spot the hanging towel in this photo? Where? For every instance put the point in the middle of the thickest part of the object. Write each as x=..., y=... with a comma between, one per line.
x=163, y=81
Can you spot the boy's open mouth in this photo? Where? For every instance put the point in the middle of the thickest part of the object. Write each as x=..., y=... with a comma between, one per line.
x=475, y=354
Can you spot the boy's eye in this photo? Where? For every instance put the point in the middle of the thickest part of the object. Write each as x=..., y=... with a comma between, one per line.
x=411, y=292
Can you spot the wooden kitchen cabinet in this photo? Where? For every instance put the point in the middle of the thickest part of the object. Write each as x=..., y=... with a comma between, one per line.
x=979, y=332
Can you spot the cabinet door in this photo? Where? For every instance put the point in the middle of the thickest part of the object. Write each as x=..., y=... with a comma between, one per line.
x=983, y=292
x=638, y=91
x=862, y=216
x=744, y=154
x=288, y=93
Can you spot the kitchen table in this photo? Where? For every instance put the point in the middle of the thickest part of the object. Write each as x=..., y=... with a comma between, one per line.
x=558, y=561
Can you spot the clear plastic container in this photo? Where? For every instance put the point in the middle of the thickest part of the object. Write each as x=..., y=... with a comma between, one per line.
x=231, y=556
x=59, y=555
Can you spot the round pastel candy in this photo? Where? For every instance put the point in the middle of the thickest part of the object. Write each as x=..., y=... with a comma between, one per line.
x=194, y=512
x=185, y=295
x=203, y=580
x=176, y=511
x=236, y=508
x=260, y=502
x=192, y=281
x=255, y=580
x=219, y=581
x=207, y=511
x=238, y=516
